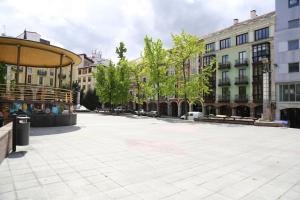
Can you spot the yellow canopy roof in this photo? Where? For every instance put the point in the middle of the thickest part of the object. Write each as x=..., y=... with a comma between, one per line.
x=35, y=54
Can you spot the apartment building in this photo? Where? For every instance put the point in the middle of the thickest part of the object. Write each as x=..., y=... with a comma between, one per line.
x=87, y=68
x=41, y=76
x=287, y=54
x=242, y=84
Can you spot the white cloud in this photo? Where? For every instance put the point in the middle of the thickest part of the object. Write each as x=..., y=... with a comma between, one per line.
x=83, y=25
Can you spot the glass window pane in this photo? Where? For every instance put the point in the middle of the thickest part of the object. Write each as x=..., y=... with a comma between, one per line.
x=294, y=23
x=292, y=92
x=285, y=93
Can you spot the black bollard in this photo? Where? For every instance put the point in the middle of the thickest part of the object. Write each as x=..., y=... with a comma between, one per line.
x=14, y=144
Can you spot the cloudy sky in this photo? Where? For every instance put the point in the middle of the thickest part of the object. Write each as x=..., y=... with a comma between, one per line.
x=83, y=25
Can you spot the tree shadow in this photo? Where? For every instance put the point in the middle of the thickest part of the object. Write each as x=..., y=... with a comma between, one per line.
x=40, y=131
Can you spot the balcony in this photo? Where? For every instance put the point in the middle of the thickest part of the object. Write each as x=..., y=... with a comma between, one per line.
x=42, y=72
x=242, y=80
x=241, y=98
x=257, y=79
x=226, y=65
x=257, y=98
x=224, y=82
x=209, y=98
x=241, y=63
x=224, y=98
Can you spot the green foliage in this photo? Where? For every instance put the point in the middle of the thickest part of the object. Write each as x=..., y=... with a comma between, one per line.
x=90, y=99
x=190, y=86
x=123, y=81
x=121, y=50
x=156, y=67
x=107, y=84
x=3, y=73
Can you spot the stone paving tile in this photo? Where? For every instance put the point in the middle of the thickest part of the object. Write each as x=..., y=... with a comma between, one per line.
x=115, y=157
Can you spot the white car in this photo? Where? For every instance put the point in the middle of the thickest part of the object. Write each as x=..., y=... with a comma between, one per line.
x=192, y=115
x=120, y=109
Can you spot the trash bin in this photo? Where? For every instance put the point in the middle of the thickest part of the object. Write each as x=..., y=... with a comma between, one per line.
x=22, y=130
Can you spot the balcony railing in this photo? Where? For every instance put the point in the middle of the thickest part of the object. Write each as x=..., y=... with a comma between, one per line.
x=224, y=98
x=209, y=99
x=241, y=98
x=32, y=94
x=224, y=82
x=241, y=80
x=257, y=79
x=241, y=63
x=226, y=65
x=258, y=98
x=42, y=72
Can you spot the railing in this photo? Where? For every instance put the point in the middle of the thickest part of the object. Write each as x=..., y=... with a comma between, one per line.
x=241, y=63
x=257, y=98
x=224, y=82
x=224, y=98
x=31, y=93
x=242, y=80
x=241, y=98
x=226, y=65
x=258, y=79
x=209, y=99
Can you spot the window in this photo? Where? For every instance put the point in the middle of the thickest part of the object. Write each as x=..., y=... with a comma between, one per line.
x=210, y=47
x=262, y=34
x=225, y=92
x=84, y=79
x=225, y=59
x=294, y=23
x=293, y=44
x=290, y=92
x=242, y=39
x=51, y=72
x=89, y=79
x=79, y=71
x=29, y=70
x=90, y=70
x=293, y=3
x=293, y=67
x=225, y=43
x=242, y=91
x=225, y=75
x=51, y=81
x=260, y=51
x=29, y=79
x=242, y=57
x=242, y=73
x=207, y=60
x=41, y=80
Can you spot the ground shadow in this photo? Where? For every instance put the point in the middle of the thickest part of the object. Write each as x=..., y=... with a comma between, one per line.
x=40, y=131
x=17, y=154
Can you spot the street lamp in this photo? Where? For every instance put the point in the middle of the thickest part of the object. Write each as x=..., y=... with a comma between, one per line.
x=267, y=86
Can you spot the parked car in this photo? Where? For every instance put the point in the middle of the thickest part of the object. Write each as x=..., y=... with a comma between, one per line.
x=192, y=115
x=140, y=112
x=120, y=109
x=152, y=114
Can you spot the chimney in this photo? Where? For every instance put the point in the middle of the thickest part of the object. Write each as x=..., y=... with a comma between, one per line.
x=235, y=21
x=253, y=14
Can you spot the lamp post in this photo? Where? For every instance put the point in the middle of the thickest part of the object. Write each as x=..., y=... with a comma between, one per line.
x=267, y=115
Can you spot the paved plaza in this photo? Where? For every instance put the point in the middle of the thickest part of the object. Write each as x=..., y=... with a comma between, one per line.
x=136, y=158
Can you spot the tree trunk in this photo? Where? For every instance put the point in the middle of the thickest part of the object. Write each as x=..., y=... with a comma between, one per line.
x=185, y=95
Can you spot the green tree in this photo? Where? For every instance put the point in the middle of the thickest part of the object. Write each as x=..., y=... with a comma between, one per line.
x=107, y=84
x=3, y=73
x=137, y=73
x=123, y=81
x=121, y=50
x=156, y=66
x=90, y=99
x=190, y=86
